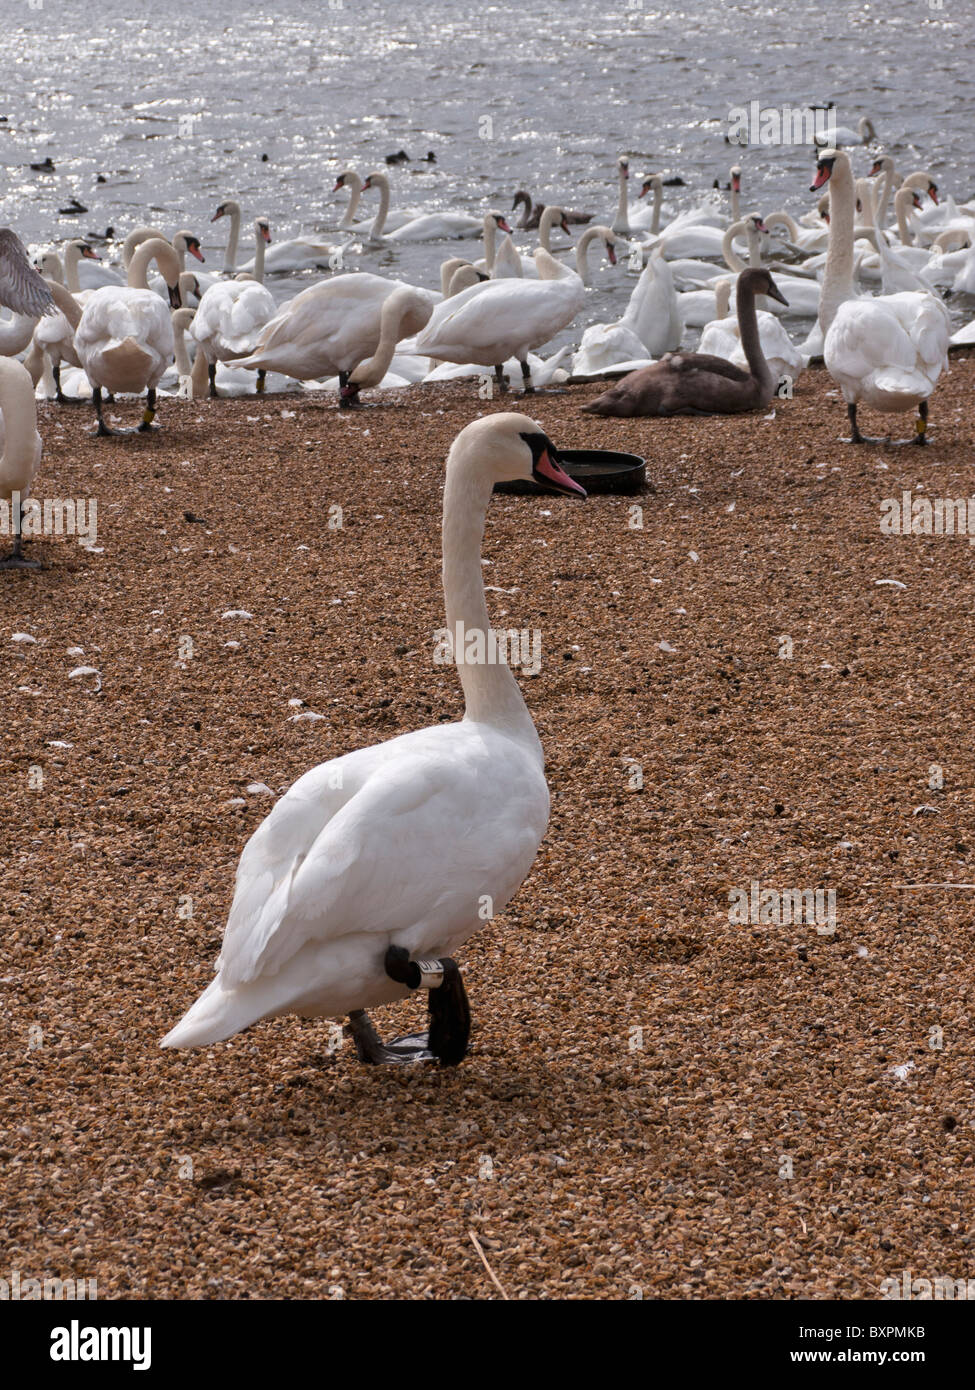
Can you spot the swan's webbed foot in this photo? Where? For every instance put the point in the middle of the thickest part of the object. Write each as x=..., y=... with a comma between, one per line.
x=371, y=1050
x=348, y=392
x=17, y=560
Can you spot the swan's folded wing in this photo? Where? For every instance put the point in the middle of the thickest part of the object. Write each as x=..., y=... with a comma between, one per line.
x=21, y=288
x=364, y=869
x=707, y=362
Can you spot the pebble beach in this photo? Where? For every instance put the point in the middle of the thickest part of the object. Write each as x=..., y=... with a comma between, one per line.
x=742, y=680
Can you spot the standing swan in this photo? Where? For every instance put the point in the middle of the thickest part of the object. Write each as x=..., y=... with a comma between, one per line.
x=125, y=338
x=696, y=383
x=387, y=853
x=21, y=445
x=888, y=351
x=232, y=314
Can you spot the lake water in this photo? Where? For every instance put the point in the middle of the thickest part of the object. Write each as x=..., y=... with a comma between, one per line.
x=176, y=103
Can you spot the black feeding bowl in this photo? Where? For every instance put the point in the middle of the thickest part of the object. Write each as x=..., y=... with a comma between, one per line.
x=598, y=470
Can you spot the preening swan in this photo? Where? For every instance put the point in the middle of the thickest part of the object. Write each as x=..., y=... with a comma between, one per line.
x=21, y=445
x=125, y=338
x=843, y=135
x=370, y=872
x=22, y=290
x=651, y=324
x=692, y=383
x=888, y=351
x=331, y=328
x=489, y=323
x=531, y=214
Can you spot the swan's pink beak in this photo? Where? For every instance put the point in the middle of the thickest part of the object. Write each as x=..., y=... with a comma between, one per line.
x=822, y=176
x=216, y=217
x=933, y=193
x=88, y=254
x=265, y=233
x=503, y=226
x=195, y=251
x=736, y=183
x=611, y=253
x=338, y=184
x=555, y=476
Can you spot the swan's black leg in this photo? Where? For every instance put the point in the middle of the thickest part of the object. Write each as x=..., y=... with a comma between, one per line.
x=450, y=1015
x=96, y=397
x=501, y=379
x=59, y=395
x=855, y=436
x=149, y=414
x=212, y=374
x=17, y=560
x=261, y=378
x=526, y=376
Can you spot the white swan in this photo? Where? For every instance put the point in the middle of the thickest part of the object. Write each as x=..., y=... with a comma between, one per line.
x=332, y=328
x=888, y=351
x=429, y=226
x=53, y=338
x=396, y=217
x=233, y=313
x=489, y=323
x=843, y=135
x=388, y=852
x=722, y=338
x=650, y=326
x=299, y=253
x=125, y=338
x=21, y=446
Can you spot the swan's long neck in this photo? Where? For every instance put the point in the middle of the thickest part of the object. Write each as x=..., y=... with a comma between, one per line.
x=379, y=221
x=838, y=275
x=396, y=307
x=658, y=200
x=523, y=201
x=260, y=248
x=621, y=221
x=903, y=201
x=750, y=340
x=546, y=222
x=354, y=184
x=230, y=255
x=72, y=255
x=735, y=202
x=166, y=259
x=582, y=250
x=21, y=443
x=134, y=240
x=66, y=302
x=888, y=188
x=732, y=259
x=722, y=298
x=491, y=693
x=490, y=242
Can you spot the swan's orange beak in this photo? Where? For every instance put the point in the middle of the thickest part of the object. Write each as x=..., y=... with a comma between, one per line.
x=195, y=251
x=217, y=215
x=611, y=253
x=933, y=192
x=338, y=184
x=88, y=254
x=551, y=474
x=266, y=234
x=503, y=225
x=875, y=169
x=736, y=183
x=822, y=176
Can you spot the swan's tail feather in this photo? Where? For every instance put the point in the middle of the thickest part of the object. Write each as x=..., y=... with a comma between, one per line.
x=216, y=1015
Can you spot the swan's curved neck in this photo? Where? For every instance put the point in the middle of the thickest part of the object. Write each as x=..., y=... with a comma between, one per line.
x=888, y=188
x=66, y=302
x=658, y=199
x=750, y=339
x=354, y=184
x=491, y=693
x=260, y=248
x=233, y=240
x=546, y=222
x=786, y=220
x=722, y=297
x=134, y=240
x=838, y=275
x=181, y=320
x=732, y=259
x=590, y=235
x=372, y=371
x=902, y=203
x=381, y=182
x=523, y=201
x=160, y=251
x=19, y=411
x=490, y=242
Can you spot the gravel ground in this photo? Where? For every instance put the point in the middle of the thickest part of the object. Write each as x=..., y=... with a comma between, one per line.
x=658, y=1102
